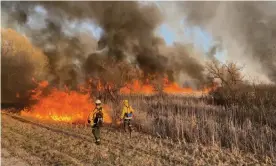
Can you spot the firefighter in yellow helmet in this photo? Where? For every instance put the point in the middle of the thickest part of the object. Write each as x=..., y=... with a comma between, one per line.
x=95, y=119
x=127, y=115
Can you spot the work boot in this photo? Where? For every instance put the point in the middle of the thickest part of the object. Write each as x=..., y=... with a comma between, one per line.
x=98, y=142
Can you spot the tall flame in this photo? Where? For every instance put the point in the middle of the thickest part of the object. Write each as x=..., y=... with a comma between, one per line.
x=63, y=106
x=74, y=106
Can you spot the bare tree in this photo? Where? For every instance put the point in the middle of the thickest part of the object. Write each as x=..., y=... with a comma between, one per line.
x=112, y=77
x=230, y=79
x=157, y=81
x=229, y=74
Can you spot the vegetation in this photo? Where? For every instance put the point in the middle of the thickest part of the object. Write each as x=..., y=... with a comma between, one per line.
x=234, y=124
x=39, y=143
x=250, y=129
x=236, y=115
x=20, y=63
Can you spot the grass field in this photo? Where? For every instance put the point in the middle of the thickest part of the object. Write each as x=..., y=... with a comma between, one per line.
x=169, y=130
x=27, y=141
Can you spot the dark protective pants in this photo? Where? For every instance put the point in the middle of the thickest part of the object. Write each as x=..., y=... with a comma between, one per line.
x=127, y=124
x=96, y=132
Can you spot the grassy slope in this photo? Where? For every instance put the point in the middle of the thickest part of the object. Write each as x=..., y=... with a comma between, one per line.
x=42, y=143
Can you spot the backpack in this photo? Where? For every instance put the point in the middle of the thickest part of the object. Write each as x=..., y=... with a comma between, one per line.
x=128, y=114
x=99, y=118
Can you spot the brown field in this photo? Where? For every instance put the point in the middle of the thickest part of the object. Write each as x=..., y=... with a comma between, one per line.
x=177, y=132
x=191, y=108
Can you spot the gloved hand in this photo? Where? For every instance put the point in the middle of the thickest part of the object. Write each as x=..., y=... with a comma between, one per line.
x=88, y=121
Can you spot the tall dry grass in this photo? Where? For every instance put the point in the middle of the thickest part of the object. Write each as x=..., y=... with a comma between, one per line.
x=246, y=123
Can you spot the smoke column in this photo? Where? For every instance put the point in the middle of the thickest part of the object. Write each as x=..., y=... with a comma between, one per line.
x=128, y=34
x=247, y=30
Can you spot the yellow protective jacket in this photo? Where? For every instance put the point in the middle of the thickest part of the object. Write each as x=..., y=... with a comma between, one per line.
x=92, y=115
x=126, y=110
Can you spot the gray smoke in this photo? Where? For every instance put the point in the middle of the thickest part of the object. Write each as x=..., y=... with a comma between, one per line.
x=246, y=29
x=128, y=33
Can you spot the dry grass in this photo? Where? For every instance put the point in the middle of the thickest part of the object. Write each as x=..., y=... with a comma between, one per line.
x=173, y=130
x=247, y=123
x=250, y=129
x=43, y=143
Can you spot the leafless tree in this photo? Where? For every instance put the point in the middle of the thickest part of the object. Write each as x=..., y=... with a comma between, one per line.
x=112, y=77
x=229, y=74
x=157, y=81
x=230, y=79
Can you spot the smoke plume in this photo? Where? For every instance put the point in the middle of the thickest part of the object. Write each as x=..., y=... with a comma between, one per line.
x=246, y=29
x=128, y=35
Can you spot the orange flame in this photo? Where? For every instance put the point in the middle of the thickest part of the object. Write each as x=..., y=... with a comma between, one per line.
x=62, y=106
x=137, y=87
x=170, y=88
x=73, y=106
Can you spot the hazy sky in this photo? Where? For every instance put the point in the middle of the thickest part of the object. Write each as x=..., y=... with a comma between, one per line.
x=197, y=36
x=200, y=38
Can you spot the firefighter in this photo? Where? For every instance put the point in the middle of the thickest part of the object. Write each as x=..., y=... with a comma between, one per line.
x=127, y=115
x=95, y=119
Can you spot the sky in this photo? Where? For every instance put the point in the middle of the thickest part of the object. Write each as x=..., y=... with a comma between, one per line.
x=200, y=38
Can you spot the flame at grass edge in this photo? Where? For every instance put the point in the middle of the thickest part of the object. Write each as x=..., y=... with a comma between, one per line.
x=62, y=106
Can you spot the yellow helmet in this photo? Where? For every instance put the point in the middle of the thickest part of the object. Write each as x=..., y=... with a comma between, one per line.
x=125, y=102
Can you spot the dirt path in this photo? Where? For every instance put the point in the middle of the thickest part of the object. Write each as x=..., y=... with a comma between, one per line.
x=35, y=143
